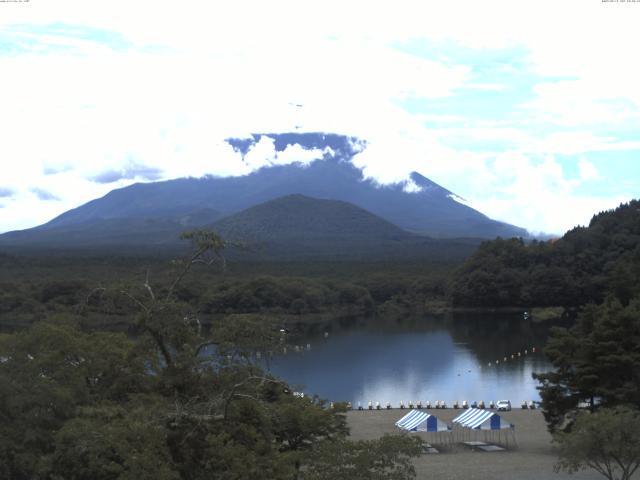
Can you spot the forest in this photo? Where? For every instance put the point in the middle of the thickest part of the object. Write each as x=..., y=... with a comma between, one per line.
x=111, y=366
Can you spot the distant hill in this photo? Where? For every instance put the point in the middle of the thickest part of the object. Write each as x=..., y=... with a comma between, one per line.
x=297, y=217
x=297, y=226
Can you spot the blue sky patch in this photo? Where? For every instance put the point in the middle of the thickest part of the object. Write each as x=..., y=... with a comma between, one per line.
x=21, y=39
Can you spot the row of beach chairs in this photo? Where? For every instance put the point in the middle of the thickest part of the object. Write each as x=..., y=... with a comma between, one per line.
x=439, y=404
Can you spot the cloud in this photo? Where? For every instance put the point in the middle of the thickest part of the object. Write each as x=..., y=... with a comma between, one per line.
x=6, y=192
x=167, y=89
x=587, y=170
x=44, y=194
x=130, y=172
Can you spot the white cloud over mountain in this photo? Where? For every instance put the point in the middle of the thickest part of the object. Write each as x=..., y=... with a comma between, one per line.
x=508, y=104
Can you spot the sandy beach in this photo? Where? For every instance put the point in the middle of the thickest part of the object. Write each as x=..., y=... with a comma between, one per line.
x=533, y=458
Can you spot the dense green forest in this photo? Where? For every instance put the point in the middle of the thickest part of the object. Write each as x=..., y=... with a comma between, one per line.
x=34, y=287
x=173, y=400
x=583, y=266
x=138, y=364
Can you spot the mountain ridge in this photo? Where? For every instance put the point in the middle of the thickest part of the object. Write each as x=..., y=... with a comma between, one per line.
x=426, y=209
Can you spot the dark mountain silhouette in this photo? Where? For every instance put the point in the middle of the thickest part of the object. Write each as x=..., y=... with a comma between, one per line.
x=298, y=226
x=154, y=212
x=286, y=228
x=301, y=217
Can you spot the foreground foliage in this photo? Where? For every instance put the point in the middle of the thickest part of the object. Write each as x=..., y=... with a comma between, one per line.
x=607, y=441
x=386, y=459
x=173, y=401
x=597, y=362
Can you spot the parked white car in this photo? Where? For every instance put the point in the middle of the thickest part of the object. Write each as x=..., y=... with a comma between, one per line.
x=504, y=405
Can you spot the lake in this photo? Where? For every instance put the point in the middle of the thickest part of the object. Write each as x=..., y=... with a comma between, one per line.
x=424, y=359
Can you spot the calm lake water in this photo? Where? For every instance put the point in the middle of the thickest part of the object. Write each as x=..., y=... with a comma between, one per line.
x=426, y=359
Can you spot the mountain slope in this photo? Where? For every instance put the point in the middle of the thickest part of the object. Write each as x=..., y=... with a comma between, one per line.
x=301, y=217
x=296, y=226
x=427, y=209
x=154, y=213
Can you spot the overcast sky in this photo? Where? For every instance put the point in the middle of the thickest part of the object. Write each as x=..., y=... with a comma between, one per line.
x=530, y=110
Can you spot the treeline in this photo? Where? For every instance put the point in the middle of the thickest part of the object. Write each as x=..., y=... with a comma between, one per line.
x=584, y=266
x=35, y=288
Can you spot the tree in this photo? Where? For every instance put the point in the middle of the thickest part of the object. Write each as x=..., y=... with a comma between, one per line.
x=607, y=441
x=388, y=458
x=597, y=360
x=47, y=375
x=177, y=401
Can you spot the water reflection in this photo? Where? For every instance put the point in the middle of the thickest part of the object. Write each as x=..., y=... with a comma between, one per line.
x=427, y=359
